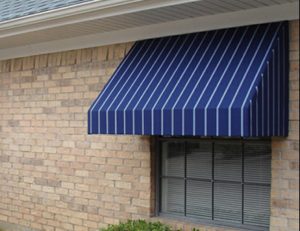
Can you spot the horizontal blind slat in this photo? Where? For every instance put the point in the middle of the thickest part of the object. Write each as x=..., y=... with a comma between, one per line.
x=228, y=202
x=199, y=198
x=199, y=160
x=173, y=196
x=173, y=159
x=257, y=205
x=257, y=163
x=228, y=161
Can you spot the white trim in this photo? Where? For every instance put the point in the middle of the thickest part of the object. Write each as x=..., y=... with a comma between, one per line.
x=76, y=14
x=288, y=11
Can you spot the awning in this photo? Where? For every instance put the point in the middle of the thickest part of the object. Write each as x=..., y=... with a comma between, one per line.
x=231, y=82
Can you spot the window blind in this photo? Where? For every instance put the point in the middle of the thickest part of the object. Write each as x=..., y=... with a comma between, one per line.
x=224, y=181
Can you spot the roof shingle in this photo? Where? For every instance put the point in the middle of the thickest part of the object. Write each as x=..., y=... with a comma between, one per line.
x=12, y=9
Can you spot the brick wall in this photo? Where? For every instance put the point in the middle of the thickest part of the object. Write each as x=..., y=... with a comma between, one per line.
x=55, y=177
x=285, y=162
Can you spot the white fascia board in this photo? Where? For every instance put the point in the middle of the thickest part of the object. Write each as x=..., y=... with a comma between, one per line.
x=81, y=13
x=205, y=23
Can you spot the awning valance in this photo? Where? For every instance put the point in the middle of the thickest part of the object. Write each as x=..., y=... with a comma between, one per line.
x=231, y=82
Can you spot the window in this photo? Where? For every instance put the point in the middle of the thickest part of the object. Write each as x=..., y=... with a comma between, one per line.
x=218, y=181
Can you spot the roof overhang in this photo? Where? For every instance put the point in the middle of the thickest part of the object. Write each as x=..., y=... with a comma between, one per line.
x=115, y=21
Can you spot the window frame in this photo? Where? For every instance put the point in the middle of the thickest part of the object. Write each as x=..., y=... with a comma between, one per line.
x=158, y=181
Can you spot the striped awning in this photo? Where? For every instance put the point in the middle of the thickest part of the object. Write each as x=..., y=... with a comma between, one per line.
x=231, y=82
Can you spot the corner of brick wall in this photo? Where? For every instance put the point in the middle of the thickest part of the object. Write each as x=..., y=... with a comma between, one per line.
x=285, y=158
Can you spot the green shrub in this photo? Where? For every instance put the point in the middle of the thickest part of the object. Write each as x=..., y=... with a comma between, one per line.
x=140, y=225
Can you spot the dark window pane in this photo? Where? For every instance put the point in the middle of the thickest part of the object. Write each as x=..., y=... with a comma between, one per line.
x=228, y=161
x=173, y=159
x=257, y=205
x=199, y=160
x=199, y=196
x=223, y=198
x=172, y=196
x=228, y=202
x=258, y=162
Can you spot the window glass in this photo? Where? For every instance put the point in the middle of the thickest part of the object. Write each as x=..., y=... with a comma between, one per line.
x=173, y=159
x=199, y=160
x=257, y=162
x=173, y=196
x=196, y=205
x=228, y=202
x=216, y=180
x=228, y=161
x=257, y=209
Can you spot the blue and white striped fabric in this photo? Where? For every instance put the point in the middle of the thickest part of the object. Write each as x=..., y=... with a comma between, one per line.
x=231, y=82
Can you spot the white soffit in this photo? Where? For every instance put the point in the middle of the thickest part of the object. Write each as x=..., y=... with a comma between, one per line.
x=131, y=20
